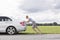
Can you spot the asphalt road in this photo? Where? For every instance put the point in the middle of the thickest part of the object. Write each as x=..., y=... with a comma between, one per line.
x=30, y=37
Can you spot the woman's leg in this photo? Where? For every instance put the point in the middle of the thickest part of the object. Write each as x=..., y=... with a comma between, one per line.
x=38, y=29
x=35, y=30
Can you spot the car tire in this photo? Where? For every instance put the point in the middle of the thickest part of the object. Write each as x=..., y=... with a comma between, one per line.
x=11, y=30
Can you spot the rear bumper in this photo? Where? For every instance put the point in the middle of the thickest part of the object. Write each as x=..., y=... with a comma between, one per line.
x=21, y=29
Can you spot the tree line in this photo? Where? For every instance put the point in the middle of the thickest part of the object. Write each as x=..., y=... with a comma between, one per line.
x=46, y=24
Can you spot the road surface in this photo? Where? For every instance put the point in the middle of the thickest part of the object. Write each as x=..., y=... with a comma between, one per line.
x=30, y=37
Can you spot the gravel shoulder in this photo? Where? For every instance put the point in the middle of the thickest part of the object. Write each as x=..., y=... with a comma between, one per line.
x=30, y=37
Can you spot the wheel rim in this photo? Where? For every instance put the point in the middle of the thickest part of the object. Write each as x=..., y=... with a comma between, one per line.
x=11, y=30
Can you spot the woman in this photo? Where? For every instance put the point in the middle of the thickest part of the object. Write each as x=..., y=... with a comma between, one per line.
x=33, y=24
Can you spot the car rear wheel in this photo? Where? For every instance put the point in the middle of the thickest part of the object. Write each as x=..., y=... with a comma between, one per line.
x=11, y=30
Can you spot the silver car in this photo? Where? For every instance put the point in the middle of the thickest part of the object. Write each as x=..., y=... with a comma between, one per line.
x=10, y=26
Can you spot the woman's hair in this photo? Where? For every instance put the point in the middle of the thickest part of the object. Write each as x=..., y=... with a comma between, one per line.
x=27, y=16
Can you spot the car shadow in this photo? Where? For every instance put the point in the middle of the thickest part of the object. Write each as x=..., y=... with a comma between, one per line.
x=22, y=34
x=29, y=33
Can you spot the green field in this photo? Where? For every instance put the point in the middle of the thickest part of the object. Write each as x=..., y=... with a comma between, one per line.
x=44, y=29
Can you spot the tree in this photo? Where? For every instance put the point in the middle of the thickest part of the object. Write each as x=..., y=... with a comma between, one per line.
x=55, y=23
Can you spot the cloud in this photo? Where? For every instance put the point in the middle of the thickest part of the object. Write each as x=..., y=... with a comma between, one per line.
x=10, y=8
x=57, y=6
x=36, y=5
x=45, y=17
x=42, y=10
x=39, y=10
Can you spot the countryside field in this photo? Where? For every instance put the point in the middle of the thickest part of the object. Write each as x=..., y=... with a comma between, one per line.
x=44, y=29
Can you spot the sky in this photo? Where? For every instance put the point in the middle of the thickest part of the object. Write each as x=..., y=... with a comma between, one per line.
x=42, y=11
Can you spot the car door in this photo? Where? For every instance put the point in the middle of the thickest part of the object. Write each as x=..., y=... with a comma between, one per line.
x=2, y=24
x=5, y=22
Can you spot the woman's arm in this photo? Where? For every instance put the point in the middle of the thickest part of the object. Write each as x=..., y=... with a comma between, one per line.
x=27, y=21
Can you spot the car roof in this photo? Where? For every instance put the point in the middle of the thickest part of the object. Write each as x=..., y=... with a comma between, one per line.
x=3, y=17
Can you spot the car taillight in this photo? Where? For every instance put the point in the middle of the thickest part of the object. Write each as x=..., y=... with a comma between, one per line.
x=22, y=23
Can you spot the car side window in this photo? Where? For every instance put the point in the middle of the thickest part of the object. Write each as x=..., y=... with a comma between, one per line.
x=0, y=19
x=3, y=19
x=7, y=19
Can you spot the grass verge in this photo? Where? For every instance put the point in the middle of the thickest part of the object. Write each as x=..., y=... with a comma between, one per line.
x=44, y=29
